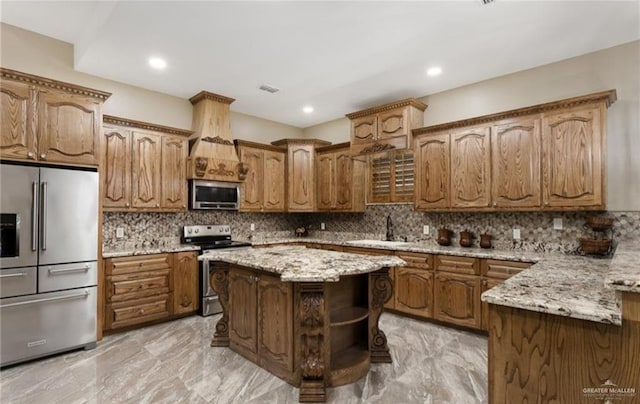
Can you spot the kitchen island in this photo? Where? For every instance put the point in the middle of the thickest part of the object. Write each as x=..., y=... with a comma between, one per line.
x=308, y=316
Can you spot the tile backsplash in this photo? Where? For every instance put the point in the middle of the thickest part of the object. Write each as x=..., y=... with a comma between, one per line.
x=536, y=228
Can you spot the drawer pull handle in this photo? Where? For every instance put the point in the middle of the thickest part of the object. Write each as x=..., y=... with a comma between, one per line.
x=49, y=299
x=17, y=275
x=67, y=270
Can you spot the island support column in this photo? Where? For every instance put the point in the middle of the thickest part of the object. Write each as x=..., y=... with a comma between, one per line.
x=311, y=336
x=220, y=283
x=380, y=291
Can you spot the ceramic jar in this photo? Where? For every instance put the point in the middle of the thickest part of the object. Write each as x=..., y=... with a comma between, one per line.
x=485, y=240
x=466, y=238
x=444, y=236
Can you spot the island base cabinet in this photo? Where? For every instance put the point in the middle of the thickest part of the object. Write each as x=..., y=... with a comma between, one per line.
x=243, y=313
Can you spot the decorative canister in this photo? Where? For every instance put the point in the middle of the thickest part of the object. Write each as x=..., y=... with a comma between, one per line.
x=444, y=236
x=485, y=240
x=466, y=238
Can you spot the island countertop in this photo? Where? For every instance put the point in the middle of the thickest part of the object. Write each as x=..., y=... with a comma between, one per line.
x=301, y=264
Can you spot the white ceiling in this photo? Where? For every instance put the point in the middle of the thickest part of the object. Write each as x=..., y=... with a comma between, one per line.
x=338, y=56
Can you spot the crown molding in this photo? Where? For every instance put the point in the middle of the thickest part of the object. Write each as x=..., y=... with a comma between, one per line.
x=202, y=95
x=130, y=123
x=387, y=107
x=315, y=142
x=608, y=97
x=8, y=74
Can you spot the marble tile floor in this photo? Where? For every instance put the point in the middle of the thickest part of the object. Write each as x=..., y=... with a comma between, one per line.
x=173, y=363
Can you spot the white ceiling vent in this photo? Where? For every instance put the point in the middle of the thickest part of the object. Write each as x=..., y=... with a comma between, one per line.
x=269, y=89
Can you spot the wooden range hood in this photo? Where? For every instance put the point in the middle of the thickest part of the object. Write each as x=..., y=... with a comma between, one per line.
x=212, y=153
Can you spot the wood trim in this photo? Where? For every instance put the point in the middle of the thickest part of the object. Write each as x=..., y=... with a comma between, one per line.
x=631, y=306
x=609, y=97
x=202, y=95
x=314, y=142
x=15, y=75
x=387, y=107
x=130, y=123
x=256, y=145
x=332, y=147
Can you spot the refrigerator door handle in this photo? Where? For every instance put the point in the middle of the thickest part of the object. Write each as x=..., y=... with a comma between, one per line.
x=34, y=218
x=47, y=299
x=67, y=270
x=43, y=218
x=16, y=275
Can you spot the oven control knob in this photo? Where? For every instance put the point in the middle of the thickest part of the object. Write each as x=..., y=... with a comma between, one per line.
x=226, y=229
x=197, y=231
x=189, y=231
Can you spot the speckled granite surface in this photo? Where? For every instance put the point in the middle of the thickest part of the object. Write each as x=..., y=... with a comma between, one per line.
x=624, y=271
x=570, y=286
x=142, y=250
x=300, y=264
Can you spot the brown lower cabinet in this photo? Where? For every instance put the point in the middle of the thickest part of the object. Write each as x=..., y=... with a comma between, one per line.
x=146, y=288
x=414, y=291
x=457, y=299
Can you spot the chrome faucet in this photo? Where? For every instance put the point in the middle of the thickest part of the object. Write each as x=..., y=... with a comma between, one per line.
x=389, y=228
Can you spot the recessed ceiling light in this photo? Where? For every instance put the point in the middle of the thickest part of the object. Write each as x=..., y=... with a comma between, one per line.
x=307, y=109
x=434, y=71
x=157, y=63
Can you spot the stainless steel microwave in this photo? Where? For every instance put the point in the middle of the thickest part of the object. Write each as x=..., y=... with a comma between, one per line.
x=213, y=195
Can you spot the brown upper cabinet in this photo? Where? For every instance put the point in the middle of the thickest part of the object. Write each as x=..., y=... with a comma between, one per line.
x=263, y=189
x=49, y=121
x=544, y=157
x=385, y=127
x=144, y=166
x=340, y=179
x=301, y=172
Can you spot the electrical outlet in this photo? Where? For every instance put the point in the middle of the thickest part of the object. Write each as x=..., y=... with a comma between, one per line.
x=119, y=232
x=425, y=230
x=322, y=226
x=557, y=223
x=253, y=227
x=516, y=234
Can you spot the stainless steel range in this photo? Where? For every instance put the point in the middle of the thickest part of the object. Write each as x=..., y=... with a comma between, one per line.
x=210, y=237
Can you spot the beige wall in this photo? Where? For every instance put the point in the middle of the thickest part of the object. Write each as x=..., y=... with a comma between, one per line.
x=614, y=68
x=37, y=54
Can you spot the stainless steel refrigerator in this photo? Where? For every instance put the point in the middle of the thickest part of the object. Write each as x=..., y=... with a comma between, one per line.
x=48, y=261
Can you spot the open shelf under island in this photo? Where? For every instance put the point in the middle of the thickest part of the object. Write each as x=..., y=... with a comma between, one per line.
x=308, y=316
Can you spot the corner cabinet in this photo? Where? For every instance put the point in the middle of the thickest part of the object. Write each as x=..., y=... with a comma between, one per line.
x=301, y=173
x=340, y=179
x=49, y=121
x=263, y=189
x=385, y=127
x=545, y=157
x=144, y=166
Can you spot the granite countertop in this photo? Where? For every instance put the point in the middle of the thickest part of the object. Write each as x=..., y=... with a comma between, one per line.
x=300, y=264
x=127, y=252
x=624, y=273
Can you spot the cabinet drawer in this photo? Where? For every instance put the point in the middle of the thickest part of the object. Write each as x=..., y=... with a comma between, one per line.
x=460, y=265
x=138, y=285
x=367, y=251
x=417, y=260
x=125, y=265
x=139, y=311
x=502, y=269
x=17, y=282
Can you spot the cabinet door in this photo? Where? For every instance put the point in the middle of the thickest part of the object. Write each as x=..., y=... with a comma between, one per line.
x=146, y=170
x=414, y=291
x=185, y=282
x=364, y=129
x=17, y=139
x=243, y=311
x=486, y=285
x=275, y=315
x=251, y=193
x=274, y=183
x=432, y=172
x=174, y=172
x=116, y=170
x=343, y=181
x=68, y=128
x=393, y=123
x=457, y=299
x=301, y=178
x=516, y=164
x=326, y=181
x=470, y=168
x=572, y=158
